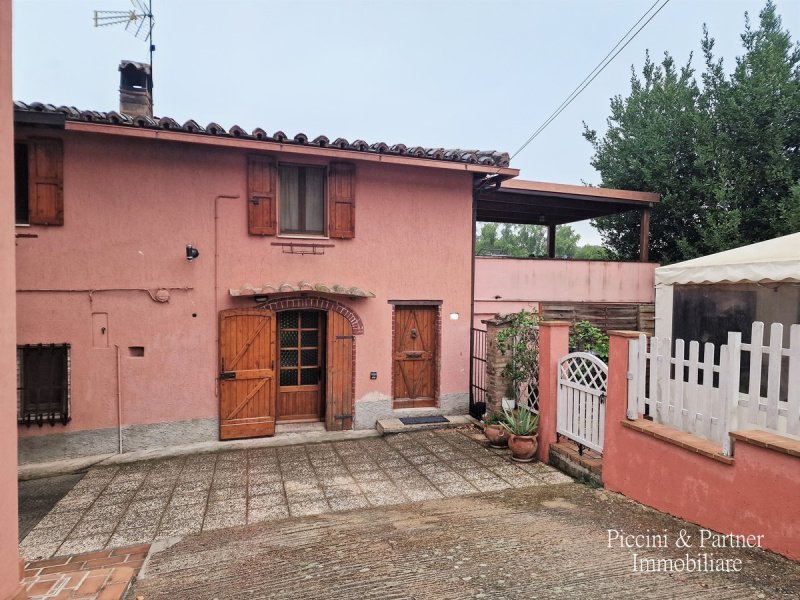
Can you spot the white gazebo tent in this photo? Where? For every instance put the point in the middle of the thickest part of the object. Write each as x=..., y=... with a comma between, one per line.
x=770, y=265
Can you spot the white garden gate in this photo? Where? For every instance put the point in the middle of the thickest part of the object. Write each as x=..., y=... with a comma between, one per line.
x=582, y=385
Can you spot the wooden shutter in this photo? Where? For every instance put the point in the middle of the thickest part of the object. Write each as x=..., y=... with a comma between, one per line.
x=247, y=384
x=262, y=185
x=342, y=199
x=46, y=182
x=339, y=383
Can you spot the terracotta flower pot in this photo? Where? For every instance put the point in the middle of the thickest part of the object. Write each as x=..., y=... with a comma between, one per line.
x=497, y=436
x=523, y=447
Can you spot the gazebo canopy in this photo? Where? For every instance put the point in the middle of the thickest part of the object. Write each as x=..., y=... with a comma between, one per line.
x=773, y=260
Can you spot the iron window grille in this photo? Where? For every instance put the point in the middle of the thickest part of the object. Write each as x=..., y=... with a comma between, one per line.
x=43, y=384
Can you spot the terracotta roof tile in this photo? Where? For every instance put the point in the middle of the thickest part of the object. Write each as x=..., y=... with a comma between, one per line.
x=490, y=158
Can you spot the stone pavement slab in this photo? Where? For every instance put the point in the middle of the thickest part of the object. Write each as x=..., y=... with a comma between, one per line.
x=134, y=503
x=541, y=542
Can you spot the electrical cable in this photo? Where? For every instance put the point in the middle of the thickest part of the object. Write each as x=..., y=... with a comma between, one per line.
x=595, y=72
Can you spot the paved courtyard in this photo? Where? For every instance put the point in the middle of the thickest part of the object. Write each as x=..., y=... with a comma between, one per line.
x=140, y=502
x=547, y=541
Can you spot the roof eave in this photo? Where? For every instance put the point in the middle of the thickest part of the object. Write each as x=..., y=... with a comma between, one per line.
x=263, y=145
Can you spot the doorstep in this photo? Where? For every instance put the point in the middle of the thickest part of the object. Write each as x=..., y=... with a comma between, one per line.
x=397, y=425
x=287, y=438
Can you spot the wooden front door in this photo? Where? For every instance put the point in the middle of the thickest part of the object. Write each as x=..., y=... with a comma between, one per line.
x=301, y=336
x=247, y=373
x=415, y=356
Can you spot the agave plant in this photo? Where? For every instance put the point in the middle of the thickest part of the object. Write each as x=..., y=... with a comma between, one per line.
x=520, y=421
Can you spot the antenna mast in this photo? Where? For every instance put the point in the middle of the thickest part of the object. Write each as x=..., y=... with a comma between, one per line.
x=138, y=21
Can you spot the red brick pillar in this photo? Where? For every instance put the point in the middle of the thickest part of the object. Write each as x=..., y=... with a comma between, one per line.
x=616, y=403
x=553, y=345
x=496, y=384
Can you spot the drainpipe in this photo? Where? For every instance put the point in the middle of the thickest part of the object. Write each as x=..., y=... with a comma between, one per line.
x=216, y=275
x=119, y=399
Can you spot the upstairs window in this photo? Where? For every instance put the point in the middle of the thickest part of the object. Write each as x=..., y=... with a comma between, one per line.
x=302, y=200
x=39, y=182
x=43, y=384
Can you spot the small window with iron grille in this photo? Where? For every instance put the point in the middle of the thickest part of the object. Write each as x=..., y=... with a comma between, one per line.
x=43, y=372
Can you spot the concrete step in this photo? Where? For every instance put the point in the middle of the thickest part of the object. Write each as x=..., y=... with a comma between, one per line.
x=385, y=426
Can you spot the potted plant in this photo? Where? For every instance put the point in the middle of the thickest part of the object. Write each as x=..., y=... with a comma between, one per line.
x=494, y=430
x=522, y=426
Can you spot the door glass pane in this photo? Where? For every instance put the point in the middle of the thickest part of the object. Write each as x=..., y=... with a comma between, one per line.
x=289, y=339
x=288, y=376
x=288, y=358
x=310, y=319
x=315, y=200
x=309, y=376
x=288, y=319
x=308, y=358
x=290, y=198
x=309, y=338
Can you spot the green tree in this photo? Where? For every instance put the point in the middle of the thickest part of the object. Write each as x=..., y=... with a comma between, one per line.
x=592, y=252
x=523, y=241
x=651, y=144
x=725, y=156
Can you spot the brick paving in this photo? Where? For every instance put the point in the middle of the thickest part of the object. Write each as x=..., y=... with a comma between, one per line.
x=103, y=575
x=96, y=584
x=543, y=542
x=141, y=502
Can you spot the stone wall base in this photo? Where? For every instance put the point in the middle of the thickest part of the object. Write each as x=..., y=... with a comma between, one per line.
x=59, y=446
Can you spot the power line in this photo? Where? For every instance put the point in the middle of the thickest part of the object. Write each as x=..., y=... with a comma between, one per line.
x=595, y=72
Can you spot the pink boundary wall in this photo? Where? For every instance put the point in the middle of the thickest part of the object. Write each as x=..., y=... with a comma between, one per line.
x=524, y=283
x=9, y=553
x=755, y=495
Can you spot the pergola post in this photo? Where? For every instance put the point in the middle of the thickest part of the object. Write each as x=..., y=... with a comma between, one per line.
x=644, y=236
x=551, y=241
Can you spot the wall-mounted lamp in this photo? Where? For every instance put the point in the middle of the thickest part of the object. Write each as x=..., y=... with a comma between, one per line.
x=454, y=316
x=191, y=252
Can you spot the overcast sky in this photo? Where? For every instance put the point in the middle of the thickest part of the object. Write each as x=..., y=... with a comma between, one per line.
x=444, y=73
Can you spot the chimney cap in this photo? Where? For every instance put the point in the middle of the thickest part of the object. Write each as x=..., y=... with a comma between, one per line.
x=126, y=65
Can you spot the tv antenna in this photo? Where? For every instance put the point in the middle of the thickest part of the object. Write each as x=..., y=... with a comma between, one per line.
x=138, y=21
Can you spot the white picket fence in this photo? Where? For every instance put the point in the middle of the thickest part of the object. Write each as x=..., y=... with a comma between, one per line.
x=704, y=398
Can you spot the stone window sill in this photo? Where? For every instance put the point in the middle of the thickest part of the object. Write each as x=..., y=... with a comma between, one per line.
x=684, y=440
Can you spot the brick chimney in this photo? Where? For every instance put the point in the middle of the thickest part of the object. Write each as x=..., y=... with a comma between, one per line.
x=135, y=89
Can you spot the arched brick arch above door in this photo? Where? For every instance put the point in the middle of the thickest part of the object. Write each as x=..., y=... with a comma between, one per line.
x=306, y=303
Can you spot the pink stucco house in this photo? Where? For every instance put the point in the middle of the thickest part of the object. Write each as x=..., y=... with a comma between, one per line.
x=179, y=283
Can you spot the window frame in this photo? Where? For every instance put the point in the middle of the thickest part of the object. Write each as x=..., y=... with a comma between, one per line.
x=63, y=416
x=51, y=150
x=301, y=209
x=18, y=190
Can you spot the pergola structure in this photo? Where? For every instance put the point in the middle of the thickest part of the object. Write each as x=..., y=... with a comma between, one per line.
x=550, y=204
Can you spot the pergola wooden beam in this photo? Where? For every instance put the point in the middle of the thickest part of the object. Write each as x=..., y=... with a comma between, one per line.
x=549, y=204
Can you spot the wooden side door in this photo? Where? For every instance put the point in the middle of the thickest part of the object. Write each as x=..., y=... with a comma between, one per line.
x=415, y=369
x=339, y=397
x=247, y=384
